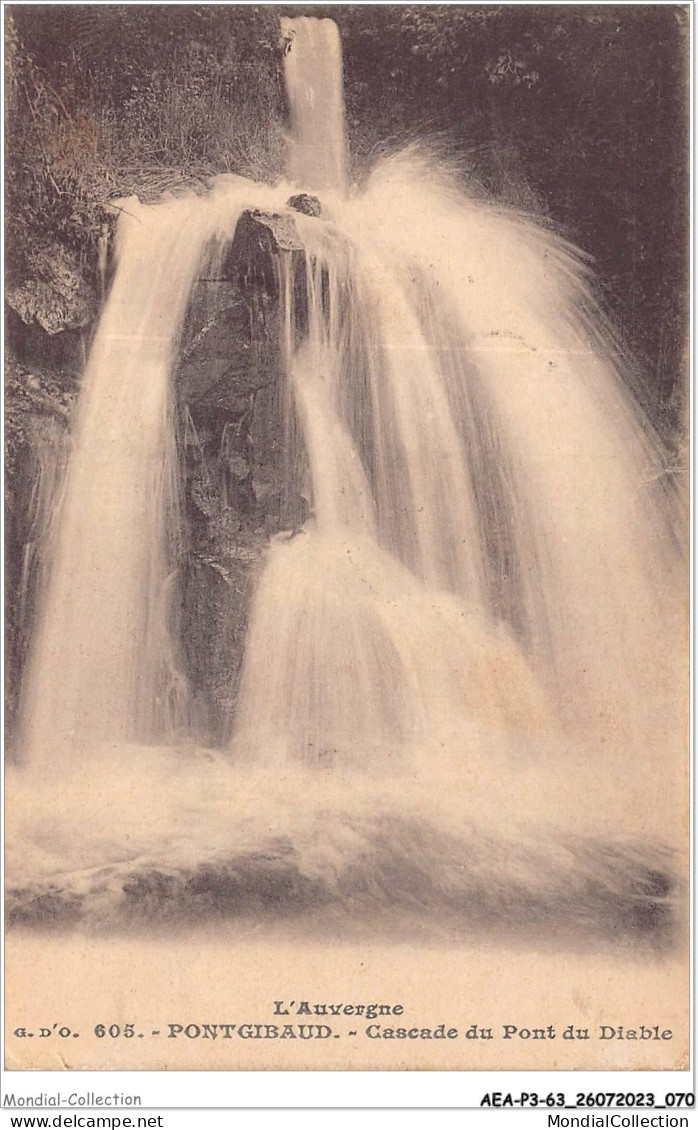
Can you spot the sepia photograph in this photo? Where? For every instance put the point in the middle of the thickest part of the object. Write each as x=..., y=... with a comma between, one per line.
x=346, y=536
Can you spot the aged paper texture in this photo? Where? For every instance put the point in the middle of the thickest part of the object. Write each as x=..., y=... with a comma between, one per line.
x=346, y=537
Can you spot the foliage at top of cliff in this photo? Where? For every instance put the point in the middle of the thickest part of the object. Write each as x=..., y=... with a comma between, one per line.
x=105, y=101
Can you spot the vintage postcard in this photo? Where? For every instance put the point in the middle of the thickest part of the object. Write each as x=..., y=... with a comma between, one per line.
x=346, y=536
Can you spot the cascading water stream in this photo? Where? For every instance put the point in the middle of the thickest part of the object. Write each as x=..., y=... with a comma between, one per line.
x=104, y=663
x=567, y=492
x=317, y=149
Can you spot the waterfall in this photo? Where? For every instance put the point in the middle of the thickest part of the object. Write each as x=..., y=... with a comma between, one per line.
x=490, y=553
x=484, y=602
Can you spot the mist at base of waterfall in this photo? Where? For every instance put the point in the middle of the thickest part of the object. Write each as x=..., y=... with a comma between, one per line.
x=161, y=840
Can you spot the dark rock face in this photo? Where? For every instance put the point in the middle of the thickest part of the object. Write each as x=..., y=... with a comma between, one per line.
x=229, y=387
x=52, y=291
